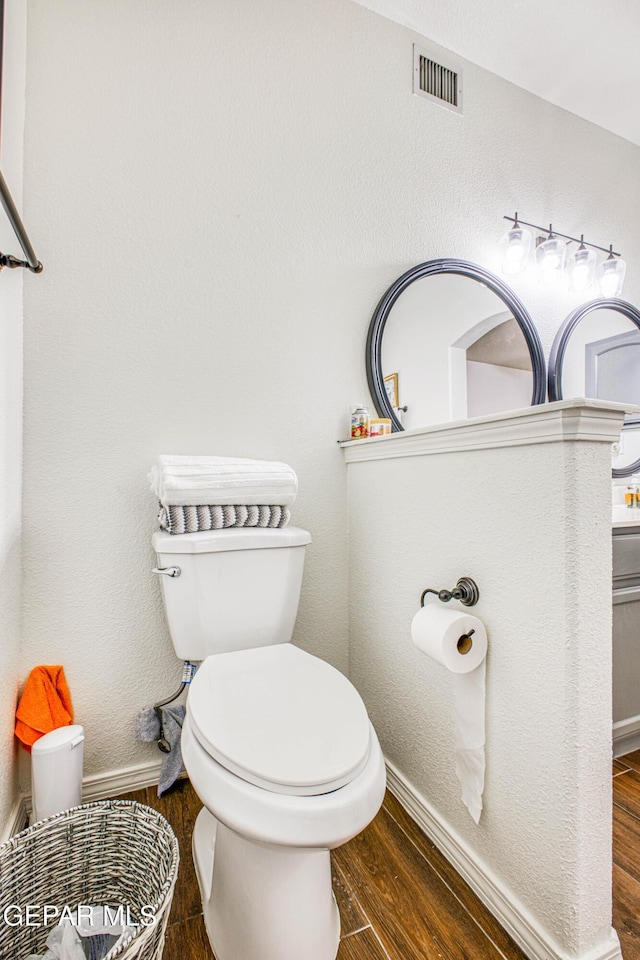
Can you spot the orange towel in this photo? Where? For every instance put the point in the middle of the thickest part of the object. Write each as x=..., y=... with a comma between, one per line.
x=45, y=704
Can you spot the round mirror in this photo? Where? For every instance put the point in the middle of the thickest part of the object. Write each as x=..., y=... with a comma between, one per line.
x=596, y=354
x=449, y=341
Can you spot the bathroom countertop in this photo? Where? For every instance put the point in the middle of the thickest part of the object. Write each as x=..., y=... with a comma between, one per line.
x=624, y=517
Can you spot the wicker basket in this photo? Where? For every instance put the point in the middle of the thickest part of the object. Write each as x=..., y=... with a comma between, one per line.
x=111, y=853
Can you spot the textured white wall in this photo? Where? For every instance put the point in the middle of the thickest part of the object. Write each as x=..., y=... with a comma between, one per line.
x=531, y=525
x=221, y=192
x=10, y=401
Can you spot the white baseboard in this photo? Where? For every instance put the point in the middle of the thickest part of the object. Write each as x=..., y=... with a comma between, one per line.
x=113, y=783
x=511, y=914
x=626, y=736
x=17, y=819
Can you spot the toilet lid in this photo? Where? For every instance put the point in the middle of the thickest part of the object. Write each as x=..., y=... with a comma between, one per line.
x=280, y=718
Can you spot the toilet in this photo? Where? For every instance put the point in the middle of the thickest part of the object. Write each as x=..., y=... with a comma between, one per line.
x=277, y=744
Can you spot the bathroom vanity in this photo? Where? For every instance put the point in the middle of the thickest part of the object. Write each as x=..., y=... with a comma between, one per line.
x=626, y=631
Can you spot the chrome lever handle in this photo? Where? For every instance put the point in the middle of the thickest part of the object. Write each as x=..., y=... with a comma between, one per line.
x=167, y=571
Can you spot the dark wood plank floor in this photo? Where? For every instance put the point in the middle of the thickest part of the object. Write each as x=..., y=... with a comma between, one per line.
x=399, y=898
x=626, y=853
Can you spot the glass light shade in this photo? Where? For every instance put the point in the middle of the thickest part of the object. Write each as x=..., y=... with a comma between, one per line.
x=610, y=277
x=582, y=269
x=515, y=246
x=550, y=257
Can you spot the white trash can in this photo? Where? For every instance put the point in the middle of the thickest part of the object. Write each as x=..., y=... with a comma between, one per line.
x=56, y=771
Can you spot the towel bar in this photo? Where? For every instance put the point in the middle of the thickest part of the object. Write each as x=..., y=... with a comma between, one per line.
x=6, y=260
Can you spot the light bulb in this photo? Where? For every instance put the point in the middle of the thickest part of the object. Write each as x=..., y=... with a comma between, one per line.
x=515, y=246
x=582, y=268
x=611, y=273
x=550, y=257
x=515, y=250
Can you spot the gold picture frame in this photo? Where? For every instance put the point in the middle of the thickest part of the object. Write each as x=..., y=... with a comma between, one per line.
x=391, y=386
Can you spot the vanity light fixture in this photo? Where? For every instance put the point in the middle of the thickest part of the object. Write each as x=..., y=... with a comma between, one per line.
x=611, y=275
x=515, y=246
x=551, y=254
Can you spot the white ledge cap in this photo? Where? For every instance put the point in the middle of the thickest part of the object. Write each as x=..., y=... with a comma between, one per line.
x=579, y=419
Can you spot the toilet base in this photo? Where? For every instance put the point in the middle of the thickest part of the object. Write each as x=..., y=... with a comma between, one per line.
x=261, y=901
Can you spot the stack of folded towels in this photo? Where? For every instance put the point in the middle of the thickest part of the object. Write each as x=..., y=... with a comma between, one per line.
x=209, y=493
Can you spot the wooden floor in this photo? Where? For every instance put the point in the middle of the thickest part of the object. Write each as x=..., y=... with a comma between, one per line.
x=399, y=898
x=626, y=853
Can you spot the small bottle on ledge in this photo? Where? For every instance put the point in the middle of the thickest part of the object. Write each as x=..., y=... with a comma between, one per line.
x=360, y=422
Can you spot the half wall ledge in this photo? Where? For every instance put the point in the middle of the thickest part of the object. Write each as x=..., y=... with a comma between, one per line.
x=576, y=420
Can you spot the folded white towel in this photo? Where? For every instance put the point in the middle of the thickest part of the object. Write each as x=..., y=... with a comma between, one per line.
x=194, y=481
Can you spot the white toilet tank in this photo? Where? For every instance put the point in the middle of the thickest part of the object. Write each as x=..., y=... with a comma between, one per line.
x=238, y=588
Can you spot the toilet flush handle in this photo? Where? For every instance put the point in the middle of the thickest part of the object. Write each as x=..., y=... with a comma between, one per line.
x=167, y=571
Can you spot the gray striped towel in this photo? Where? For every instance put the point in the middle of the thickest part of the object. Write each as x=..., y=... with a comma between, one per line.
x=179, y=519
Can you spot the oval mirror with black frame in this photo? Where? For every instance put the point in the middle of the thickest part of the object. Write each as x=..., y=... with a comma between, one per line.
x=596, y=354
x=449, y=341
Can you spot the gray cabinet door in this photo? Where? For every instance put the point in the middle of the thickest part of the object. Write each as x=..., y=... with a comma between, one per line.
x=626, y=556
x=626, y=653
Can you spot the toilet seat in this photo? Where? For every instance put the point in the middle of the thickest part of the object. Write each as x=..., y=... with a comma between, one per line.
x=281, y=719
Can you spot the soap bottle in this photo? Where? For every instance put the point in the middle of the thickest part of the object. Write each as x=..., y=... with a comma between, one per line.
x=360, y=422
x=630, y=497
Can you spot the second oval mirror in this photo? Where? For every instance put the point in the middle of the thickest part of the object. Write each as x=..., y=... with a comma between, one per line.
x=450, y=341
x=596, y=354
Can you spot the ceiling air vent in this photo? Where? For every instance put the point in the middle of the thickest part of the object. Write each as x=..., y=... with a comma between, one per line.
x=437, y=79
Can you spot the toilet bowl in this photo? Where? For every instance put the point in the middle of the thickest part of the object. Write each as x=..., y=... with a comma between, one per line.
x=276, y=742
x=262, y=859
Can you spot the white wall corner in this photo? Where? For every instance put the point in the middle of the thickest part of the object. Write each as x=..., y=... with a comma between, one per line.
x=11, y=404
x=17, y=820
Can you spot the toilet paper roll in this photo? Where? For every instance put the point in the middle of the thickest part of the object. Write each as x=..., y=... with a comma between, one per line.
x=455, y=639
x=458, y=641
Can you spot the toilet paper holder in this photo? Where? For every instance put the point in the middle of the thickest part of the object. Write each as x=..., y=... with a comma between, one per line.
x=465, y=590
